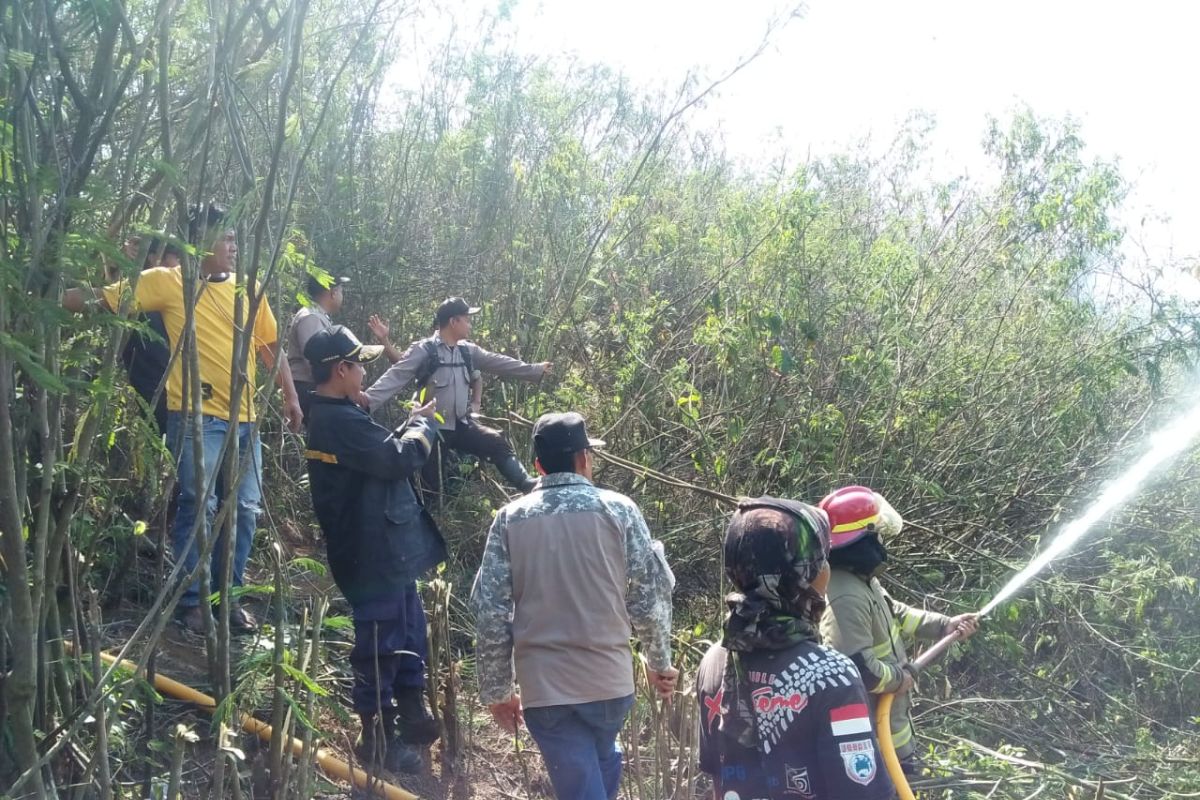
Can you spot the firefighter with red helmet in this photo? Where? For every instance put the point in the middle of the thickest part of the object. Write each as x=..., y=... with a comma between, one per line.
x=862, y=620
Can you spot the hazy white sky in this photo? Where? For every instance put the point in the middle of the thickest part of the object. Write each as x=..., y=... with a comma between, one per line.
x=851, y=69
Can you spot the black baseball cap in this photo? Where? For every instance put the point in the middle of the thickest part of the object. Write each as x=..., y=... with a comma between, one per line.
x=562, y=433
x=314, y=285
x=339, y=344
x=453, y=307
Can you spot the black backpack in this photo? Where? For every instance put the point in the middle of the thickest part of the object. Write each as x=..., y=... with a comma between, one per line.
x=433, y=362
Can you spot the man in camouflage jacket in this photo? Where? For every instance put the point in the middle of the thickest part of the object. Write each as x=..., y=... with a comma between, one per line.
x=568, y=573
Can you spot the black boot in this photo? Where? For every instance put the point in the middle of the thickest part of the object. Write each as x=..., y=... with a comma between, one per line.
x=377, y=747
x=414, y=723
x=513, y=471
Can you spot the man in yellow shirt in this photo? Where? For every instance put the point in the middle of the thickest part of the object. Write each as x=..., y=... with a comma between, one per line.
x=161, y=290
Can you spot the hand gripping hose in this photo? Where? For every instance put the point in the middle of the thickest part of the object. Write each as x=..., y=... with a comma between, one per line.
x=883, y=719
x=334, y=767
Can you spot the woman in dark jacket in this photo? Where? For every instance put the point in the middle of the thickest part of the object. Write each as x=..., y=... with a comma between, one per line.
x=781, y=715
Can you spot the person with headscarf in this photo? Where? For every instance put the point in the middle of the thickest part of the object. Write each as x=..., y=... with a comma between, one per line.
x=782, y=716
x=866, y=623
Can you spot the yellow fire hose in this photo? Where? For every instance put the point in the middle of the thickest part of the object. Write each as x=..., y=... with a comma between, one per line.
x=334, y=767
x=883, y=720
x=883, y=725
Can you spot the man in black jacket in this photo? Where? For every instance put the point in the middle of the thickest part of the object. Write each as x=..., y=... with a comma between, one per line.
x=379, y=540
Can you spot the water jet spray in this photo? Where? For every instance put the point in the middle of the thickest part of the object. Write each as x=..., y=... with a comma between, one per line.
x=1165, y=445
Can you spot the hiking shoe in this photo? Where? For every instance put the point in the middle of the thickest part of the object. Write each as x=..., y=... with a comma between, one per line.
x=414, y=722
x=374, y=751
x=402, y=758
x=192, y=619
x=241, y=621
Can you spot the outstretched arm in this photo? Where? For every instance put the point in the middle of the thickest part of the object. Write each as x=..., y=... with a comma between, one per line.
x=80, y=300
x=507, y=366
x=381, y=331
x=918, y=624
x=396, y=378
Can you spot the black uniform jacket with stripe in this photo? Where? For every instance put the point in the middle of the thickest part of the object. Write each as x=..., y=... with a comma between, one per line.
x=378, y=536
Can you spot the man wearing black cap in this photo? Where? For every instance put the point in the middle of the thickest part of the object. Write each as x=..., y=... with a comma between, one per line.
x=569, y=573
x=443, y=366
x=379, y=541
x=782, y=716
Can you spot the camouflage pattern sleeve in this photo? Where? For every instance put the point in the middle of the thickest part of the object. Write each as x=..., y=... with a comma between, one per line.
x=492, y=606
x=648, y=595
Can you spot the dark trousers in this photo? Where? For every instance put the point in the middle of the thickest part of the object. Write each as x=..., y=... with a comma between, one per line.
x=467, y=437
x=158, y=406
x=390, y=649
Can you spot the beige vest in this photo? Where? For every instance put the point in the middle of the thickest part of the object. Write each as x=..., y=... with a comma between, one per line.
x=570, y=627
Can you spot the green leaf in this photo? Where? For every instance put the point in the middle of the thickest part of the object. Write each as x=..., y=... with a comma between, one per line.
x=20, y=59
x=304, y=680
x=310, y=564
x=31, y=363
x=299, y=712
x=241, y=591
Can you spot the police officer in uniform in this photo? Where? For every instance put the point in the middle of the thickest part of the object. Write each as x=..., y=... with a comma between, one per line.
x=316, y=316
x=442, y=367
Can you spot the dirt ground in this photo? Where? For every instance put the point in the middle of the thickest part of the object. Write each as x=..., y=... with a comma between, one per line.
x=489, y=767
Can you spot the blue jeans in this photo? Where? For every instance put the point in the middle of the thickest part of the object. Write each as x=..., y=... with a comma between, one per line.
x=249, y=498
x=579, y=745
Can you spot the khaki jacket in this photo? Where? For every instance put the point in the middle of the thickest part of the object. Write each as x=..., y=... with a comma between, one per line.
x=868, y=625
x=569, y=573
x=308, y=321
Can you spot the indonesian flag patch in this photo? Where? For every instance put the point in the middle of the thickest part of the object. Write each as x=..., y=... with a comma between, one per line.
x=850, y=720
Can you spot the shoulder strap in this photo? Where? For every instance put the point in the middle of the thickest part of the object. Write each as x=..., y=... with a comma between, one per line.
x=433, y=361
x=467, y=358
x=430, y=364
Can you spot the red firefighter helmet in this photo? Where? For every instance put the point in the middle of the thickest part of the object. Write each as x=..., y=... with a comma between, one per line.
x=853, y=513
